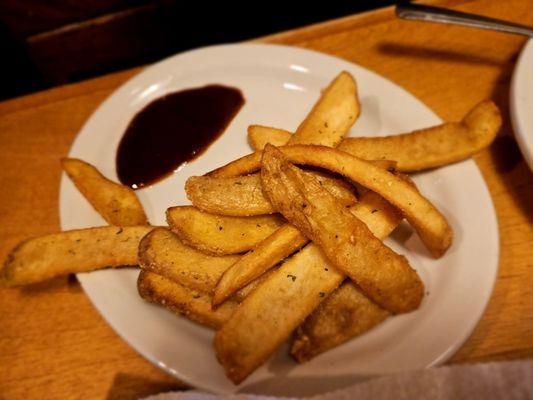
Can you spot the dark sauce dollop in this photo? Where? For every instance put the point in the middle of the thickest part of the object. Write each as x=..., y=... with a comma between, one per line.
x=173, y=130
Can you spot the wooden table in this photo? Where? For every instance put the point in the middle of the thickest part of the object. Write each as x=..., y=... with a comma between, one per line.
x=53, y=343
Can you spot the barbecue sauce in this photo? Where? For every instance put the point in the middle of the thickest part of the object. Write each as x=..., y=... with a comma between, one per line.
x=174, y=130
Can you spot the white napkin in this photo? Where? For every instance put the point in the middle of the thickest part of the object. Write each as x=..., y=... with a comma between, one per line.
x=503, y=380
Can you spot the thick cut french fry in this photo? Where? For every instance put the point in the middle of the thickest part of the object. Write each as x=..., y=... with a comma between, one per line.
x=429, y=223
x=435, y=146
x=385, y=277
x=268, y=315
x=181, y=300
x=346, y=312
x=414, y=151
x=285, y=241
x=241, y=294
x=220, y=235
x=282, y=243
x=259, y=136
x=243, y=196
x=343, y=315
x=327, y=123
x=117, y=204
x=271, y=312
x=332, y=116
x=163, y=253
x=81, y=250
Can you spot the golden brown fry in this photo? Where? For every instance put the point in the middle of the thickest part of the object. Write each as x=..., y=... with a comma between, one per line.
x=243, y=196
x=435, y=146
x=271, y=312
x=429, y=223
x=117, y=204
x=344, y=314
x=280, y=244
x=332, y=116
x=80, y=250
x=242, y=293
x=285, y=241
x=220, y=235
x=347, y=312
x=193, y=305
x=163, y=253
x=259, y=136
x=384, y=276
x=414, y=151
x=327, y=123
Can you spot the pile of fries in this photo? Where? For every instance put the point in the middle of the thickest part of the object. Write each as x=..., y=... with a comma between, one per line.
x=271, y=251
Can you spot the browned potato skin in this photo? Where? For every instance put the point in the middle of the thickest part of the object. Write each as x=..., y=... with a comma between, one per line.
x=332, y=116
x=327, y=123
x=476, y=131
x=414, y=151
x=82, y=250
x=287, y=295
x=116, y=203
x=343, y=315
x=269, y=314
x=282, y=243
x=432, y=147
x=217, y=234
x=243, y=196
x=385, y=276
x=181, y=300
x=240, y=197
x=162, y=252
x=259, y=136
x=430, y=224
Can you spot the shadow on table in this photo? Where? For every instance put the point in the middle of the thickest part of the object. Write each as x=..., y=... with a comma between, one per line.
x=68, y=283
x=129, y=386
x=514, y=172
x=505, y=153
x=429, y=53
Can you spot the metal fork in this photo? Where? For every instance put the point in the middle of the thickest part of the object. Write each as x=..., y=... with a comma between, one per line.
x=421, y=12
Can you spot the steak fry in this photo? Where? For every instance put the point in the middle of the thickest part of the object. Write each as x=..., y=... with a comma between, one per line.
x=273, y=310
x=70, y=252
x=332, y=116
x=413, y=151
x=282, y=243
x=217, y=234
x=243, y=196
x=429, y=223
x=181, y=300
x=383, y=275
x=163, y=253
x=343, y=315
x=432, y=147
x=116, y=203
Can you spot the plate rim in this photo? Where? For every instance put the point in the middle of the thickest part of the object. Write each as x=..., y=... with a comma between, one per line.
x=145, y=72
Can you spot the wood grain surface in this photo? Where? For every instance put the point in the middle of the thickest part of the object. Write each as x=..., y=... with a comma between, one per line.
x=54, y=344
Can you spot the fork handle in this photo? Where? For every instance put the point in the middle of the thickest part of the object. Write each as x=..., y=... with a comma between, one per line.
x=421, y=12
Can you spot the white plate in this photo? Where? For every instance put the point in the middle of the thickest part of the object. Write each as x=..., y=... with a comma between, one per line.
x=522, y=102
x=280, y=85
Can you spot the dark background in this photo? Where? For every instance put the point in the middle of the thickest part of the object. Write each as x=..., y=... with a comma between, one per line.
x=50, y=43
